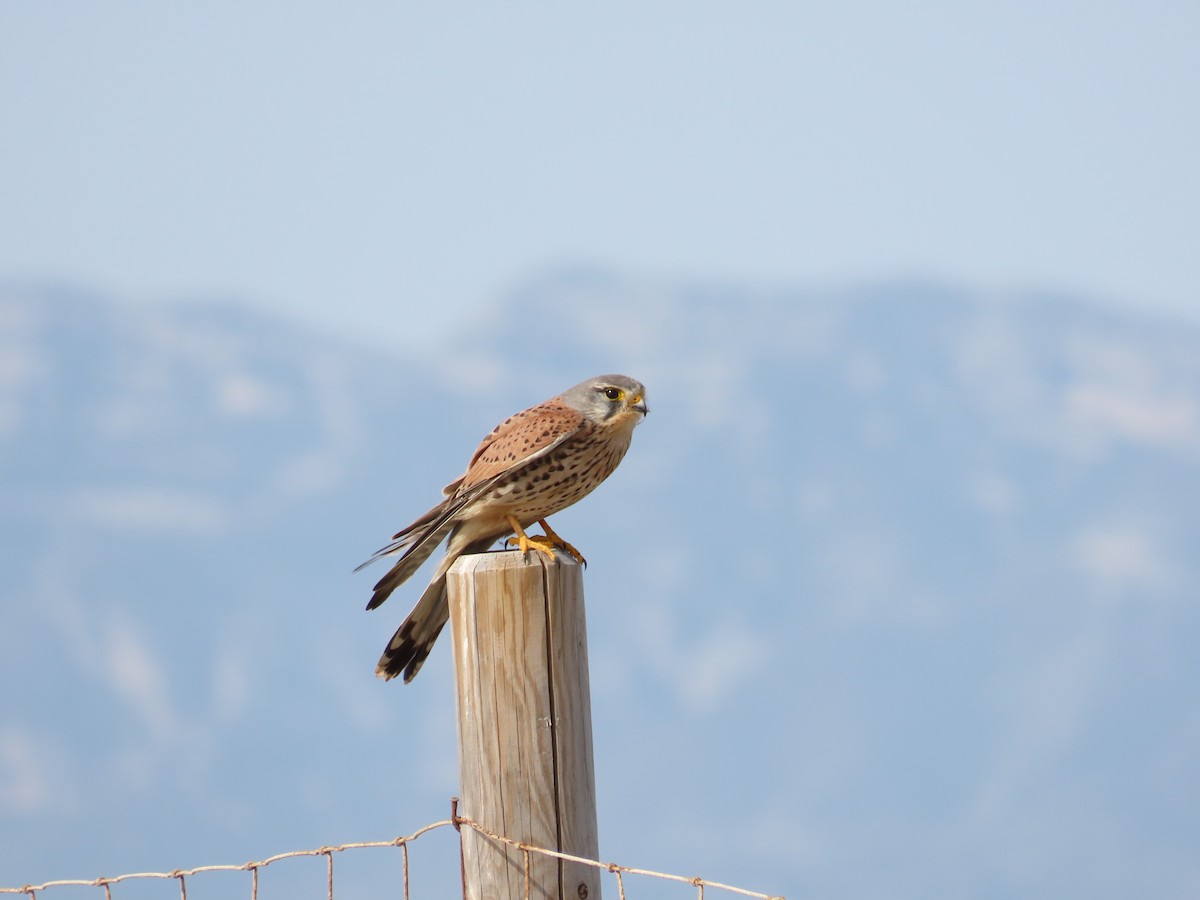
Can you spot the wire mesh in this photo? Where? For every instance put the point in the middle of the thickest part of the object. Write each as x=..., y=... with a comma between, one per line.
x=254, y=868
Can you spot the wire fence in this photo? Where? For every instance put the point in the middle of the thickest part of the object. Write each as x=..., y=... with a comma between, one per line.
x=106, y=884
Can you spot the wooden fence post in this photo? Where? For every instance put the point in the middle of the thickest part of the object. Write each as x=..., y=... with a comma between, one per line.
x=524, y=725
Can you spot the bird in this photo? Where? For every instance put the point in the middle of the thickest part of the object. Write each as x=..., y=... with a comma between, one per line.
x=532, y=465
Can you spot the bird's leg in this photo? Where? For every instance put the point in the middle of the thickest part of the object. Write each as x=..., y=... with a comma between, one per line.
x=525, y=543
x=554, y=540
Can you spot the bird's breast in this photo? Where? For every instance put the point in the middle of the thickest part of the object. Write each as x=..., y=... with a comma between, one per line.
x=552, y=482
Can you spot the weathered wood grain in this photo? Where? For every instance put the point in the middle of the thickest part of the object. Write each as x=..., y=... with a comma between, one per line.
x=524, y=724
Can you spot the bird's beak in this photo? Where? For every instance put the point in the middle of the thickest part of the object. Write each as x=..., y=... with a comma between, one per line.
x=639, y=404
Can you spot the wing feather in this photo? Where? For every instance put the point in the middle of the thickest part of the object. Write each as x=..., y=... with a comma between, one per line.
x=518, y=439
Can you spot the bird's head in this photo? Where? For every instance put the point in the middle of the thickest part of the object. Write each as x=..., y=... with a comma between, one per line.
x=612, y=400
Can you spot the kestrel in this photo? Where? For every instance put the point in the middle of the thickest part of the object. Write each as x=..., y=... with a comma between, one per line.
x=532, y=465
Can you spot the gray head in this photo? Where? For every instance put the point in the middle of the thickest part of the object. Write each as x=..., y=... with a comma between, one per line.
x=608, y=399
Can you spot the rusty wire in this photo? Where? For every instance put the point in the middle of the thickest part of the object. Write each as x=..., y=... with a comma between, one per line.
x=251, y=867
x=615, y=868
x=456, y=821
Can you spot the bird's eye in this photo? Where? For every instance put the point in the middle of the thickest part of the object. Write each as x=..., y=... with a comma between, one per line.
x=613, y=393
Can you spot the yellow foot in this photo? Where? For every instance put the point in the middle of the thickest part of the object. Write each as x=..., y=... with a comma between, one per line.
x=555, y=541
x=525, y=543
x=543, y=543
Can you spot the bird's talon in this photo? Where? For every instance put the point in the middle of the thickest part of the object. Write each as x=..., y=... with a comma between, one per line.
x=546, y=544
x=554, y=540
x=570, y=548
x=537, y=542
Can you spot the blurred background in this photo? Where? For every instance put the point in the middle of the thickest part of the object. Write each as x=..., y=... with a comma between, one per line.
x=897, y=591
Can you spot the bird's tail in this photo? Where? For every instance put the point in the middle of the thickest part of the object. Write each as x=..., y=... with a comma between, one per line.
x=413, y=640
x=408, y=564
x=410, y=535
x=418, y=541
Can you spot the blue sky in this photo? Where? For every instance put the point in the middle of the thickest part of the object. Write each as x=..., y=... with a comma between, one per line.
x=387, y=169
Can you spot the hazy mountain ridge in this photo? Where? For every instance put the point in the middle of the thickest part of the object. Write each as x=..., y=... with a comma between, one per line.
x=887, y=571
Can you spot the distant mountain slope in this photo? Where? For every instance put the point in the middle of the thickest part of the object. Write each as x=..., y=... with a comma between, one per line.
x=895, y=594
